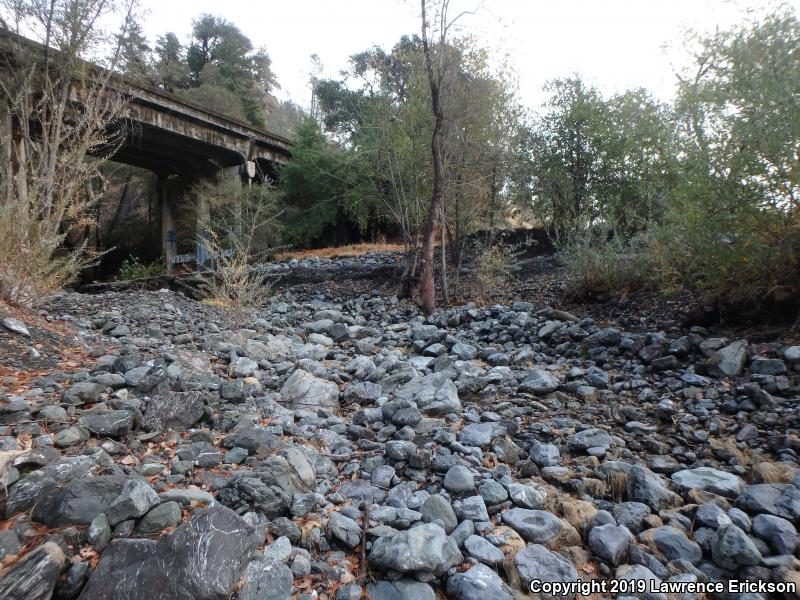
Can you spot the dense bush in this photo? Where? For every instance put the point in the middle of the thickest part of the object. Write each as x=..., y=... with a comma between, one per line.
x=600, y=263
x=133, y=268
x=712, y=204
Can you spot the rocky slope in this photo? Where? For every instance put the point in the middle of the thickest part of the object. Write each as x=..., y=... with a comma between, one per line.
x=342, y=447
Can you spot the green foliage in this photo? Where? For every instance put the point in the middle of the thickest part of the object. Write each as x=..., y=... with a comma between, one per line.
x=242, y=229
x=704, y=197
x=317, y=183
x=601, y=160
x=733, y=228
x=219, y=68
x=379, y=171
x=215, y=98
x=601, y=263
x=171, y=70
x=133, y=268
x=494, y=264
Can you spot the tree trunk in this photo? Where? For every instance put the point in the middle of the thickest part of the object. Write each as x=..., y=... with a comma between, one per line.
x=427, y=298
x=443, y=249
x=407, y=279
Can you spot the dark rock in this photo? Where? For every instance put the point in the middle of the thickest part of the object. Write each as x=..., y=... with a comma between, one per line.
x=779, y=499
x=610, y=543
x=265, y=580
x=33, y=577
x=25, y=493
x=710, y=480
x=402, y=589
x=731, y=548
x=674, y=545
x=435, y=508
x=478, y=583
x=201, y=560
x=482, y=550
x=424, y=548
x=114, y=424
x=535, y=526
x=779, y=533
x=83, y=392
x=173, y=410
x=160, y=517
x=79, y=501
x=537, y=563
x=344, y=529
x=135, y=499
x=645, y=486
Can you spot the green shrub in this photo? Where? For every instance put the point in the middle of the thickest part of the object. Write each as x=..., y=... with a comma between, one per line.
x=747, y=256
x=133, y=268
x=599, y=263
x=493, y=267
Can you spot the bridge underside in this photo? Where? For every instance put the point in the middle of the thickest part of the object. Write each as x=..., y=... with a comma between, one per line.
x=167, y=153
x=180, y=160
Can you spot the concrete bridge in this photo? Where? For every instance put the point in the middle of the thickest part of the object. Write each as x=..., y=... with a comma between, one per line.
x=182, y=143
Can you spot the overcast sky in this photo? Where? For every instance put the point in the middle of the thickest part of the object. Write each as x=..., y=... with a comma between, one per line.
x=615, y=44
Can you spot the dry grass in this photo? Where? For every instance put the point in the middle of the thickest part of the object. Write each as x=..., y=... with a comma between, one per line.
x=336, y=251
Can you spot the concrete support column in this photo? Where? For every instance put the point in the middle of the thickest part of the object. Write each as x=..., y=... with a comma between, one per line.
x=166, y=196
x=237, y=173
x=202, y=217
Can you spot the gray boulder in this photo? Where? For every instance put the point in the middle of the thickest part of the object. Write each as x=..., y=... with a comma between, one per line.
x=710, y=480
x=79, y=501
x=435, y=508
x=645, y=486
x=265, y=580
x=537, y=526
x=173, y=409
x=527, y=496
x=779, y=533
x=728, y=361
x=537, y=563
x=424, y=548
x=303, y=389
x=482, y=550
x=83, y=392
x=114, y=424
x=459, y=479
x=136, y=498
x=779, y=499
x=344, y=529
x=24, y=493
x=269, y=489
x=15, y=326
x=433, y=394
x=201, y=560
x=160, y=517
x=590, y=438
x=610, y=543
x=478, y=583
x=539, y=382
x=545, y=455
x=674, y=545
x=33, y=577
x=731, y=548
x=477, y=434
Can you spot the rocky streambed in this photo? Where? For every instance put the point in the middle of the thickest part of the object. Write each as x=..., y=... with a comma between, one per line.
x=342, y=446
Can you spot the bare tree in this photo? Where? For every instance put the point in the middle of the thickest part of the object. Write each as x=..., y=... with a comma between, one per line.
x=434, y=46
x=58, y=119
